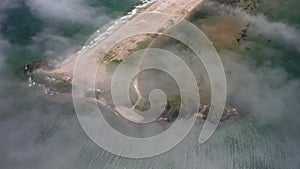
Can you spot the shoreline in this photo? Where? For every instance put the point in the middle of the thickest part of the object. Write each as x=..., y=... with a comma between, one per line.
x=175, y=10
x=179, y=9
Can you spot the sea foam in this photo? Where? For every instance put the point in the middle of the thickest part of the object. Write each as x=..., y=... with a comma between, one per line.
x=109, y=28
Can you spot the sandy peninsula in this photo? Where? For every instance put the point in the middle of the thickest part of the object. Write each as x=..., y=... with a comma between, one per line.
x=160, y=16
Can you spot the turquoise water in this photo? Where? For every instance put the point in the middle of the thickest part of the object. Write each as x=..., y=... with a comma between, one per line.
x=21, y=24
x=287, y=55
x=40, y=131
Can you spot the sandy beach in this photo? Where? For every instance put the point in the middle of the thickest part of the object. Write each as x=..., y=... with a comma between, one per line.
x=91, y=67
x=176, y=10
x=155, y=19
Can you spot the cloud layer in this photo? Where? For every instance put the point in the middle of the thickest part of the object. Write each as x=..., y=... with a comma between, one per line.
x=71, y=10
x=38, y=133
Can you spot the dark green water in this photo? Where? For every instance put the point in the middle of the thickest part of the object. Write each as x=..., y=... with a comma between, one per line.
x=39, y=131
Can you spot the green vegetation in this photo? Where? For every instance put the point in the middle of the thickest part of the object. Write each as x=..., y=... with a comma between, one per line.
x=62, y=87
x=26, y=70
x=116, y=61
x=54, y=82
x=174, y=104
x=141, y=45
x=108, y=56
x=171, y=22
x=143, y=105
x=34, y=65
x=160, y=30
x=153, y=36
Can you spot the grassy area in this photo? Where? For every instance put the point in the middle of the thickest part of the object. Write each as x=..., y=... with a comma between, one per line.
x=109, y=55
x=54, y=81
x=116, y=61
x=143, y=105
x=160, y=30
x=170, y=22
x=174, y=104
x=141, y=45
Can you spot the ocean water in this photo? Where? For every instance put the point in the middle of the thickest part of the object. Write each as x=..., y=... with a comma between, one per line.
x=38, y=131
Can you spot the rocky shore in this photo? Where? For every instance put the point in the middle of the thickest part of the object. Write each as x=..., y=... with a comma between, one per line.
x=59, y=80
x=170, y=113
x=202, y=114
